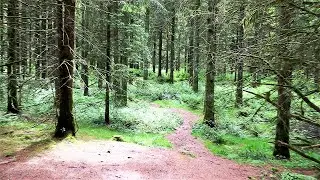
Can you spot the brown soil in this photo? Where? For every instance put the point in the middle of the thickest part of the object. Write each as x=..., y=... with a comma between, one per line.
x=188, y=159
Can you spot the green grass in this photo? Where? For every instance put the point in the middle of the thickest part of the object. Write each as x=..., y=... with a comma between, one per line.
x=103, y=133
x=252, y=150
x=18, y=134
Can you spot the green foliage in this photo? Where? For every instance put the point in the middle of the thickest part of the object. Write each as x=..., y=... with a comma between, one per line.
x=211, y=134
x=294, y=176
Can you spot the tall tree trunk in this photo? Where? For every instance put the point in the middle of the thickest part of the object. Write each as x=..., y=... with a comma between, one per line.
x=209, y=116
x=317, y=68
x=124, y=61
x=84, y=52
x=117, y=75
x=66, y=26
x=160, y=53
x=195, y=84
x=44, y=41
x=178, y=60
x=2, y=31
x=154, y=54
x=146, y=60
x=12, y=57
x=191, y=51
x=167, y=51
x=172, y=54
x=239, y=93
x=108, y=69
x=284, y=81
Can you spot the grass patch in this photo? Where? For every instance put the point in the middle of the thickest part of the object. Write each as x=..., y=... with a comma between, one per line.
x=103, y=133
x=252, y=150
x=19, y=134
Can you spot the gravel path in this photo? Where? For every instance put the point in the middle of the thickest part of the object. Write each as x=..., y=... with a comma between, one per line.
x=188, y=159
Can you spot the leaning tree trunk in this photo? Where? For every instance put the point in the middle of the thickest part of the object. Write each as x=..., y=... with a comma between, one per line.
x=12, y=57
x=284, y=82
x=209, y=116
x=66, y=27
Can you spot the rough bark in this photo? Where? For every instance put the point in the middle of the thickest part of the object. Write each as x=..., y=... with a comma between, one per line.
x=154, y=55
x=66, y=38
x=284, y=80
x=117, y=74
x=12, y=57
x=209, y=115
x=240, y=37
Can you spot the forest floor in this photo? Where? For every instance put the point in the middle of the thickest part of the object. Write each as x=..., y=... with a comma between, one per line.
x=188, y=159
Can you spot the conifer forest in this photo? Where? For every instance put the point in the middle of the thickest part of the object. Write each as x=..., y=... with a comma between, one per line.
x=160, y=89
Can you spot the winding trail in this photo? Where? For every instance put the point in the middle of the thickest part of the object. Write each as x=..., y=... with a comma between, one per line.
x=188, y=159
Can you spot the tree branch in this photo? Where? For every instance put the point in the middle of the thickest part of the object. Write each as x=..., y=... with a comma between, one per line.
x=299, y=152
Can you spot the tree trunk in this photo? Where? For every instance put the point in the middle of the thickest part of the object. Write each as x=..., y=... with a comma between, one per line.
x=239, y=93
x=284, y=81
x=117, y=75
x=191, y=51
x=160, y=53
x=154, y=54
x=2, y=43
x=108, y=69
x=84, y=52
x=146, y=60
x=12, y=57
x=66, y=38
x=209, y=116
x=195, y=84
x=172, y=55
x=178, y=60
x=167, y=51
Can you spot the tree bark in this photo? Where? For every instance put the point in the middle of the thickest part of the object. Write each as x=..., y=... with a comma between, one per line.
x=108, y=69
x=66, y=37
x=191, y=51
x=240, y=37
x=154, y=54
x=84, y=52
x=12, y=13
x=209, y=115
x=284, y=80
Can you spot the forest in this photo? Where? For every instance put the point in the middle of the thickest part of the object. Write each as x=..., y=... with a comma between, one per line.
x=160, y=89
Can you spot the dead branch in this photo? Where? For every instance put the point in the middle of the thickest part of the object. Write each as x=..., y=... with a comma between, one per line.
x=312, y=146
x=299, y=152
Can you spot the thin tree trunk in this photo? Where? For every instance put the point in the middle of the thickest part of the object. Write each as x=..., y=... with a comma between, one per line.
x=167, y=51
x=146, y=61
x=154, y=54
x=195, y=84
x=191, y=51
x=160, y=53
x=85, y=66
x=2, y=43
x=284, y=81
x=66, y=38
x=178, y=60
x=12, y=57
x=172, y=55
x=209, y=115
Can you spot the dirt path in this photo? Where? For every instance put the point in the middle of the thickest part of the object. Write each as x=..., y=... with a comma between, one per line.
x=189, y=159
